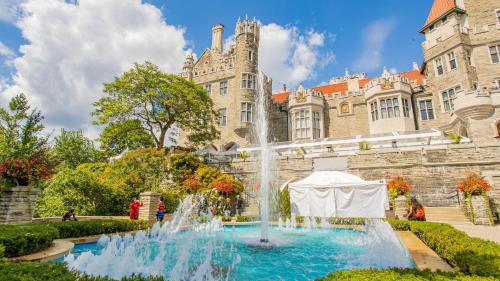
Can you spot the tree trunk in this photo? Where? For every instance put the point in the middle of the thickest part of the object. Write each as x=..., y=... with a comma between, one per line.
x=161, y=140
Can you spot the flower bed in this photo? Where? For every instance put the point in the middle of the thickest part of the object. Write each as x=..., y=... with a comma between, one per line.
x=25, y=239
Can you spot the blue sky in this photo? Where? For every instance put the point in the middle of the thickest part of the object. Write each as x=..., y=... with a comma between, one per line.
x=70, y=48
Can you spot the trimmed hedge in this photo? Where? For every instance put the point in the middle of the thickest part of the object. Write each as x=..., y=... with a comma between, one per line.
x=472, y=256
x=31, y=271
x=24, y=239
x=400, y=275
x=20, y=240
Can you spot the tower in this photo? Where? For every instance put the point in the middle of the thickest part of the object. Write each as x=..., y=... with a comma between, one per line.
x=217, y=38
x=187, y=69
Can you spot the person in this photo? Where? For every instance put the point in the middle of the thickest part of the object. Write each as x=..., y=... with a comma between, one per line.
x=239, y=205
x=219, y=205
x=420, y=213
x=227, y=207
x=70, y=215
x=160, y=211
x=134, y=208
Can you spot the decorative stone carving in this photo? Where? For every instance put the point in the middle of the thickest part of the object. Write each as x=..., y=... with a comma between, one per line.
x=17, y=204
x=387, y=84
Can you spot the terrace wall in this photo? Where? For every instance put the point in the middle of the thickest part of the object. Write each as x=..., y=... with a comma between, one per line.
x=434, y=172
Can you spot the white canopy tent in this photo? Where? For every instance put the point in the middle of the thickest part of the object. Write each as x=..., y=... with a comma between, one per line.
x=337, y=194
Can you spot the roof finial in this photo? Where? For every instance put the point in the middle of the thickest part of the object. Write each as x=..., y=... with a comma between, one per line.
x=386, y=72
x=346, y=72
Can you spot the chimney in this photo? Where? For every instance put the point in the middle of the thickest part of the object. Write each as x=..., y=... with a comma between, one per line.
x=415, y=66
x=217, y=37
x=285, y=88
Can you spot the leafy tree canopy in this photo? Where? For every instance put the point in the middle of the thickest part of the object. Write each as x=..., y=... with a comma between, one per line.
x=157, y=101
x=72, y=149
x=125, y=135
x=20, y=130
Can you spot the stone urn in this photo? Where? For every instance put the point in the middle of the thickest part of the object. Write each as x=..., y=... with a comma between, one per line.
x=400, y=207
x=481, y=211
x=17, y=204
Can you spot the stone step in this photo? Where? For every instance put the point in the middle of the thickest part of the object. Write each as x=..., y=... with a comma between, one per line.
x=450, y=215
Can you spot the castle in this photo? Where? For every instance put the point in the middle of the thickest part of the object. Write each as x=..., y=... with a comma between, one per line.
x=455, y=90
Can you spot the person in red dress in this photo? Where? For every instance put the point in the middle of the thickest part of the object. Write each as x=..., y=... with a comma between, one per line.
x=134, y=209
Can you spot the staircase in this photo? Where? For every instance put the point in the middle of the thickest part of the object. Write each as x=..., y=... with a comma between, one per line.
x=449, y=215
x=250, y=207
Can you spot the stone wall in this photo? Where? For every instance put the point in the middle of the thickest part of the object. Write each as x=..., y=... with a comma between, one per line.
x=434, y=172
x=15, y=204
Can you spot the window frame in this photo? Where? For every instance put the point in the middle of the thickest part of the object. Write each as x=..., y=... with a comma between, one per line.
x=221, y=88
x=222, y=119
x=437, y=66
x=426, y=109
x=448, y=104
x=390, y=106
x=316, y=125
x=374, y=110
x=303, y=124
x=497, y=49
x=451, y=57
x=247, y=82
x=406, y=107
x=246, y=110
x=208, y=88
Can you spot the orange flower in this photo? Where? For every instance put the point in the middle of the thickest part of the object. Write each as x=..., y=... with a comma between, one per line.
x=473, y=183
x=399, y=185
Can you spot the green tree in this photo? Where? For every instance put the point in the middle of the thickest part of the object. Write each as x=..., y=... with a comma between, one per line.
x=124, y=135
x=158, y=101
x=21, y=130
x=72, y=149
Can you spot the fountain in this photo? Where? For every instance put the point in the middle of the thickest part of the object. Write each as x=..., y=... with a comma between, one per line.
x=266, y=155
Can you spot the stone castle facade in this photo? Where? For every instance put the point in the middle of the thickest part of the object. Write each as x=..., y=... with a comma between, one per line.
x=456, y=90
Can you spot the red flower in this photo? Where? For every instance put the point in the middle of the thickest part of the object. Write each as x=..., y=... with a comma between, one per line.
x=473, y=183
x=192, y=184
x=223, y=187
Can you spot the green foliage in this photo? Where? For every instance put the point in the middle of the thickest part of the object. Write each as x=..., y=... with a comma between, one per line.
x=84, y=190
x=34, y=271
x=157, y=101
x=20, y=130
x=124, y=135
x=72, y=149
x=284, y=203
x=2, y=251
x=235, y=183
x=183, y=165
x=244, y=155
x=473, y=256
x=24, y=239
x=455, y=138
x=171, y=196
x=397, y=274
x=364, y=145
x=207, y=174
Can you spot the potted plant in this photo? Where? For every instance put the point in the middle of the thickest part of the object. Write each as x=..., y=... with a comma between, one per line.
x=244, y=155
x=18, y=176
x=364, y=145
x=399, y=190
x=455, y=138
x=475, y=199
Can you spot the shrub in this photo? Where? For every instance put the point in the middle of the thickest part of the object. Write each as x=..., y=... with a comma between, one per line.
x=24, y=172
x=184, y=164
x=191, y=184
x=471, y=255
x=364, y=145
x=473, y=184
x=24, y=239
x=399, y=275
x=171, y=196
x=227, y=185
x=207, y=175
x=2, y=251
x=284, y=203
x=455, y=138
x=33, y=271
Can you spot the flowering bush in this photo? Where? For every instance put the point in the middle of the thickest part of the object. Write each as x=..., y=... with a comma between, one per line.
x=23, y=172
x=192, y=184
x=398, y=186
x=223, y=186
x=473, y=184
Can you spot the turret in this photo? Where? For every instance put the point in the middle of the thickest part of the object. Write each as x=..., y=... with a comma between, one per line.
x=217, y=37
x=187, y=69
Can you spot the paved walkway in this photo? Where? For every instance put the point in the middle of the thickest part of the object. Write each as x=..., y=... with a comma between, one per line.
x=455, y=217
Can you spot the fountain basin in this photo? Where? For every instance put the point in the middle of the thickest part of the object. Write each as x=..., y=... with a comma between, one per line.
x=237, y=253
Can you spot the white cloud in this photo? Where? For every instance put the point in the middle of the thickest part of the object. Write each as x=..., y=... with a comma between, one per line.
x=6, y=51
x=74, y=47
x=289, y=56
x=9, y=9
x=374, y=38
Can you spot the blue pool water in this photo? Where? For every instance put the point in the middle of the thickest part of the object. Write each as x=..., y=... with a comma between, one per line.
x=234, y=252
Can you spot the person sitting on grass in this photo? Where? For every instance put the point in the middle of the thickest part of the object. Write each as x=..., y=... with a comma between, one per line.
x=160, y=211
x=70, y=215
